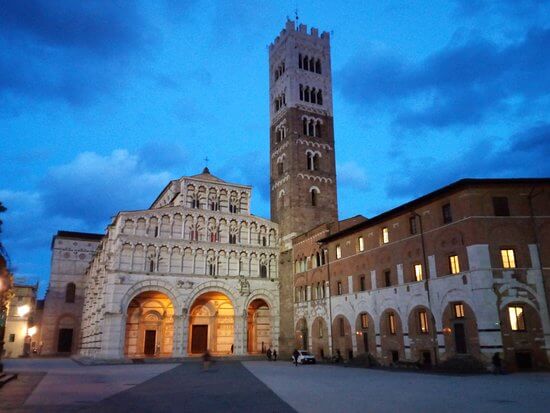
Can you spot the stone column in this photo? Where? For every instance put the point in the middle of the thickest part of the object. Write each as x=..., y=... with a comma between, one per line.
x=179, y=336
x=240, y=334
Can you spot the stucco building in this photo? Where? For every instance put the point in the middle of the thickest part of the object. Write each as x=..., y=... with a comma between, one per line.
x=22, y=321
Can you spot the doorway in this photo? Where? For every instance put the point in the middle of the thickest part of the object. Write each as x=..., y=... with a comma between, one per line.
x=460, y=339
x=199, y=341
x=366, y=340
x=524, y=360
x=150, y=342
x=65, y=340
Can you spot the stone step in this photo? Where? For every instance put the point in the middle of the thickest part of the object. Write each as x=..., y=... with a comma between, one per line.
x=6, y=377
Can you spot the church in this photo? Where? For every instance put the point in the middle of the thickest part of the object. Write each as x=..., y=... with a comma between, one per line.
x=461, y=272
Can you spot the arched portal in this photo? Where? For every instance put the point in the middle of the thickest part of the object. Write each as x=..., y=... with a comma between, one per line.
x=149, y=326
x=211, y=324
x=301, y=334
x=259, y=326
x=365, y=333
x=319, y=338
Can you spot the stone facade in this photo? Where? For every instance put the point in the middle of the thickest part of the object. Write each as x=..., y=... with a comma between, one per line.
x=17, y=331
x=439, y=274
x=72, y=253
x=197, y=263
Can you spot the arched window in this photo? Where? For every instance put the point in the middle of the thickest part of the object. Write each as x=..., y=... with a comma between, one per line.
x=318, y=129
x=306, y=63
x=211, y=268
x=309, y=161
x=263, y=271
x=306, y=94
x=304, y=125
x=320, y=97
x=314, y=195
x=70, y=292
x=299, y=61
x=301, y=92
x=280, y=168
x=313, y=96
x=312, y=64
x=315, y=162
x=318, y=66
x=310, y=128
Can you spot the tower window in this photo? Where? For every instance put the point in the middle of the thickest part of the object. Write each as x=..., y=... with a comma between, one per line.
x=423, y=321
x=360, y=244
x=412, y=225
x=313, y=198
x=306, y=63
x=385, y=235
x=338, y=252
x=301, y=92
x=280, y=169
x=391, y=323
x=318, y=66
x=517, y=318
x=508, y=258
x=306, y=94
x=70, y=292
x=313, y=96
x=500, y=206
x=454, y=264
x=319, y=97
x=459, y=310
x=447, y=216
x=418, y=276
x=299, y=61
x=339, y=288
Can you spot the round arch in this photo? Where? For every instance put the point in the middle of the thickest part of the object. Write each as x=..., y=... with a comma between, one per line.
x=341, y=336
x=365, y=331
x=391, y=333
x=421, y=325
x=151, y=285
x=319, y=338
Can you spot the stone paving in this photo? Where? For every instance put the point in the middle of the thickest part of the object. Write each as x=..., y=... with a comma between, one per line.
x=61, y=385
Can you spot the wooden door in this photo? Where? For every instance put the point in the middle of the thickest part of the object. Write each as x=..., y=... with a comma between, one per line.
x=199, y=338
x=65, y=340
x=150, y=342
x=366, y=340
x=460, y=339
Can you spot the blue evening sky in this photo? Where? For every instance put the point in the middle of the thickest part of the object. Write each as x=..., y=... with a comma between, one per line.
x=102, y=103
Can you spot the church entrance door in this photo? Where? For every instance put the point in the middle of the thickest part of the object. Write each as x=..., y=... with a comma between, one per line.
x=150, y=342
x=199, y=341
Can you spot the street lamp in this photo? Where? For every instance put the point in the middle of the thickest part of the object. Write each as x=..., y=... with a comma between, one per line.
x=23, y=310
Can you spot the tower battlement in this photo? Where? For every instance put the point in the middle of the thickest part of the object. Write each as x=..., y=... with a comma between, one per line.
x=291, y=29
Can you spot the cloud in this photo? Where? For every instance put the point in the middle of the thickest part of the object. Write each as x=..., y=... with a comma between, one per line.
x=68, y=51
x=92, y=187
x=352, y=175
x=524, y=154
x=461, y=84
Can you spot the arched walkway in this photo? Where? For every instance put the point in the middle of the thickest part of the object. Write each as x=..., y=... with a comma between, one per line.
x=259, y=326
x=211, y=324
x=460, y=330
x=341, y=333
x=391, y=332
x=421, y=335
x=149, y=326
x=301, y=334
x=319, y=338
x=366, y=334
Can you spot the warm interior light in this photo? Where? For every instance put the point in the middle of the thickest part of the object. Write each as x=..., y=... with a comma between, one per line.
x=447, y=331
x=23, y=310
x=31, y=331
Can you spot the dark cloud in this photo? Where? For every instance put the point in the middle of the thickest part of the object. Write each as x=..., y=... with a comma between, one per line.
x=458, y=85
x=66, y=50
x=524, y=154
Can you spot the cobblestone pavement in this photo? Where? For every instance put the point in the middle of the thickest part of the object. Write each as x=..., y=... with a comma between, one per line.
x=322, y=388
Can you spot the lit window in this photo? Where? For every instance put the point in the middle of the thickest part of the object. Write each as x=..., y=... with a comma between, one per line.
x=423, y=321
x=459, y=310
x=338, y=252
x=339, y=288
x=364, y=321
x=517, y=320
x=508, y=258
x=418, y=272
x=360, y=244
x=385, y=235
x=447, y=216
x=454, y=265
x=391, y=323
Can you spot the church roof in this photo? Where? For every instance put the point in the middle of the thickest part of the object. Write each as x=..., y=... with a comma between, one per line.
x=206, y=176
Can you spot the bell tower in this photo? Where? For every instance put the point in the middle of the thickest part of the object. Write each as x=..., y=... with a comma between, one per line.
x=303, y=173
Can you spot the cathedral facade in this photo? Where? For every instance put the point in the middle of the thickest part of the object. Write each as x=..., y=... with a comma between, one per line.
x=195, y=271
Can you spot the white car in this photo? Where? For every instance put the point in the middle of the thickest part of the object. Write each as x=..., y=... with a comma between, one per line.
x=304, y=357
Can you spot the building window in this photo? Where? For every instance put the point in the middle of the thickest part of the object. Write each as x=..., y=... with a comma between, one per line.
x=517, y=318
x=360, y=244
x=232, y=238
x=338, y=252
x=364, y=321
x=385, y=235
x=263, y=271
x=11, y=338
x=508, y=258
x=454, y=265
x=423, y=321
x=387, y=278
x=70, y=292
x=500, y=206
x=391, y=323
x=313, y=197
x=458, y=310
x=447, y=216
x=211, y=269
x=412, y=225
x=280, y=169
x=339, y=288
x=342, y=328
x=362, y=283
x=418, y=276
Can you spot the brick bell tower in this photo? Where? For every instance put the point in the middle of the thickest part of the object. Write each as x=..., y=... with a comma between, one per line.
x=303, y=173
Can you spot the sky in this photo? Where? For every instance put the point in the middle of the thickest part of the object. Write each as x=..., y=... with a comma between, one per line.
x=102, y=103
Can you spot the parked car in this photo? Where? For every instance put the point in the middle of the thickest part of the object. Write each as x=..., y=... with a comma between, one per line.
x=305, y=357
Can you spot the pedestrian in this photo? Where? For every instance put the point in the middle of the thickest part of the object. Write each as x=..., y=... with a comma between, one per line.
x=232, y=348
x=497, y=363
x=274, y=355
x=206, y=360
x=295, y=355
x=268, y=353
x=338, y=356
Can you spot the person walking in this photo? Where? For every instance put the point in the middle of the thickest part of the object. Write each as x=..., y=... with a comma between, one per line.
x=295, y=355
x=206, y=360
x=497, y=363
x=268, y=353
x=274, y=355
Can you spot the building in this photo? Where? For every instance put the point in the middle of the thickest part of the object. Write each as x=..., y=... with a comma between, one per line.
x=72, y=253
x=21, y=322
x=195, y=271
x=455, y=272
